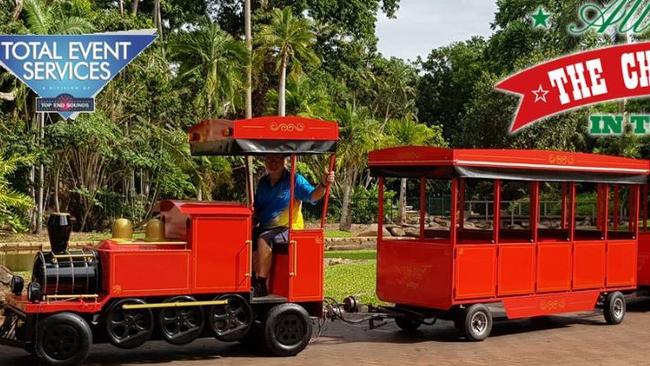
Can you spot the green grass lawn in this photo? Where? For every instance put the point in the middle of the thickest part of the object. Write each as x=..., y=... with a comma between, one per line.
x=362, y=254
x=337, y=234
x=356, y=279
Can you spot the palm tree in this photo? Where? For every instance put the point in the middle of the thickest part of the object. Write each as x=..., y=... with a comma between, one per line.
x=55, y=17
x=217, y=61
x=11, y=201
x=359, y=135
x=288, y=38
x=410, y=132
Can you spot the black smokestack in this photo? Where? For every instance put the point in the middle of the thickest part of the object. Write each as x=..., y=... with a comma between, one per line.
x=58, y=231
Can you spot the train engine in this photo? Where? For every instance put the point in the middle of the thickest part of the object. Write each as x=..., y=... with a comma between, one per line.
x=188, y=278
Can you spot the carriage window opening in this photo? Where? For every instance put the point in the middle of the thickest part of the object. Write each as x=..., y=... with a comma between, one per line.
x=514, y=205
x=437, y=219
x=402, y=208
x=621, y=208
x=588, y=211
x=553, y=223
x=477, y=211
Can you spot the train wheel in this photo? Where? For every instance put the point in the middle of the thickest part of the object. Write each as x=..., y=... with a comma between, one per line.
x=478, y=322
x=181, y=325
x=408, y=324
x=232, y=321
x=614, y=308
x=128, y=328
x=63, y=339
x=287, y=329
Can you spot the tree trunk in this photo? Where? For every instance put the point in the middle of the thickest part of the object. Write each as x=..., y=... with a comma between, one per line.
x=17, y=9
x=57, y=178
x=249, y=87
x=249, y=67
x=346, y=214
x=157, y=19
x=283, y=87
x=134, y=6
x=402, y=202
x=122, y=7
x=41, y=177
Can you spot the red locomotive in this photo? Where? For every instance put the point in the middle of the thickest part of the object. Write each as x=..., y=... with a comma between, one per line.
x=192, y=281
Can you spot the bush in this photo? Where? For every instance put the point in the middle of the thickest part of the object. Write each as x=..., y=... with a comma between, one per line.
x=365, y=204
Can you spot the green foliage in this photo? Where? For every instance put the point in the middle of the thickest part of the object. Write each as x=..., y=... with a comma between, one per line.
x=13, y=205
x=213, y=62
x=365, y=204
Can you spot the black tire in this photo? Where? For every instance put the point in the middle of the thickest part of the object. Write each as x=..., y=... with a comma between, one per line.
x=408, y=324
x=63, y=339
x=128, y=328
x=614, y=308
x=181, y=325
x=477, y=323
x=232, y=321
x=287, y=330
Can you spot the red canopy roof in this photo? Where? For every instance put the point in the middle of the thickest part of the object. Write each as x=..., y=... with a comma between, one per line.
x=552, y=165
x=263, y=135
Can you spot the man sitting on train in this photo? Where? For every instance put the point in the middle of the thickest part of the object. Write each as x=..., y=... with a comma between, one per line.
x=272, y=213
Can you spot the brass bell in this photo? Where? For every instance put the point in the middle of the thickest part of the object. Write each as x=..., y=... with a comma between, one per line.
x=122, y=229
x=155, y=230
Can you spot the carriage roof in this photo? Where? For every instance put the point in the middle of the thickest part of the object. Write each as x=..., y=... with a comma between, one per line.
x=540, y=165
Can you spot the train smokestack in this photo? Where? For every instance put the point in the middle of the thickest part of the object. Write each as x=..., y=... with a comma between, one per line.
x=58, y=231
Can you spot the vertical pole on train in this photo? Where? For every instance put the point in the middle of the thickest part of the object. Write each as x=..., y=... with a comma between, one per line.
x=534, y=210
x=423, y=208
x=292, y=243
x=453, y=222
x=380, y=213
x=461, y=206
x=616, y=207
x=605, y=230
x=496, y=211
x=323, y=217
x=572, y=211
x=644, y=198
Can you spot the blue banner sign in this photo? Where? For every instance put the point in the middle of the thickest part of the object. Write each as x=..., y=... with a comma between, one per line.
x=68, y=71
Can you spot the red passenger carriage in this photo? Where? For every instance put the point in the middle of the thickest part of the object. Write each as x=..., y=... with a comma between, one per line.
x=193, y=281
x=577, y=255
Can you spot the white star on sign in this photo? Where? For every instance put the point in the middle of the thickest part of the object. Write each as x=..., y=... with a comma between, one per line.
x=540, y=94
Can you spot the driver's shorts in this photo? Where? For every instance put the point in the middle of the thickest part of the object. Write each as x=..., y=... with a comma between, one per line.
x=277, y=238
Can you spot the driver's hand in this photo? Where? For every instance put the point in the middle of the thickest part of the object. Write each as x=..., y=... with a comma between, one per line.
x=328, y=178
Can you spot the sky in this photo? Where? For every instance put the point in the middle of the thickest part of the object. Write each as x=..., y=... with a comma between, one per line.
x=422, y=25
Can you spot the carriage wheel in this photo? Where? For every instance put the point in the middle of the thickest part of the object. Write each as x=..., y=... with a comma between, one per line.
x=478, y=322
x=408, y=324
x=614, y=308
x=181, y=325
x=231, y=321
x=287, y=329
x=128, y=328
x=63, y=339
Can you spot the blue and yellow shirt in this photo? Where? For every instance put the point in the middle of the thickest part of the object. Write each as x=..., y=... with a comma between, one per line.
x=272, y=202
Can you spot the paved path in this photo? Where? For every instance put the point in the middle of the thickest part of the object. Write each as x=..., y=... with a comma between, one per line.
x=581, y=339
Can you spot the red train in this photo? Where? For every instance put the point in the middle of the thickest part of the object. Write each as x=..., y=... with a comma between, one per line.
x=195, y=279
x=192, y=282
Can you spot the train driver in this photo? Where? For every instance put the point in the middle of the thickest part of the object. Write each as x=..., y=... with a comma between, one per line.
x=272, y=213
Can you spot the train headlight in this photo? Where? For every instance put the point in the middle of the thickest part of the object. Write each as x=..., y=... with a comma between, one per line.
x=17, y=284
x=34, y=292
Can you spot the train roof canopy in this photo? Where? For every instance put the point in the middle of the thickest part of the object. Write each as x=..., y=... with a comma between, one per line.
x=532, y=165
x=263, y=135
